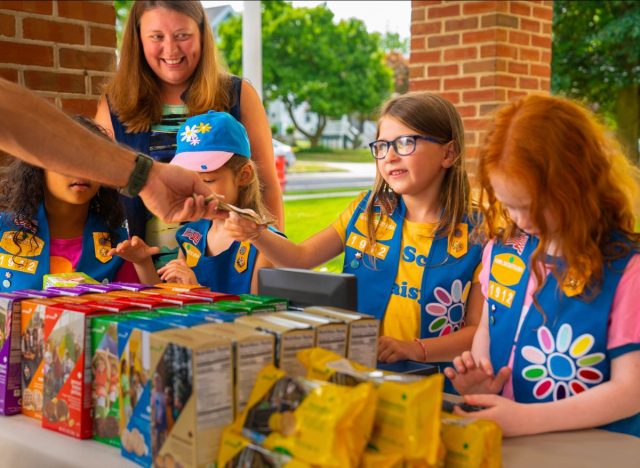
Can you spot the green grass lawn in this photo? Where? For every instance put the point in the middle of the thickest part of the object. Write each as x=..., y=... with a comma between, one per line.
x=304, y=218
x=338, y=192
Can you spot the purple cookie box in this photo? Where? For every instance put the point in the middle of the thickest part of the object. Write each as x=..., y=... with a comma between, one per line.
x=10, y=377
x=63, y=291
x=37, y=293
x=132, y=286
x=99, y=288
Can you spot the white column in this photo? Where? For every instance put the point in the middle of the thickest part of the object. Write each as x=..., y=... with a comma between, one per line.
x=252, y=44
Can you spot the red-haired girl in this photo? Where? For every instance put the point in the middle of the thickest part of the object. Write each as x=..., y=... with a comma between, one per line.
x=561, y=276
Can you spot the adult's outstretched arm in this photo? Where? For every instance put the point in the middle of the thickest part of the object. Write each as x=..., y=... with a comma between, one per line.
x=34, y=130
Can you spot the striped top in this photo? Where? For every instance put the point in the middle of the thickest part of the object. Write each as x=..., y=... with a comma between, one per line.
x=162, y=140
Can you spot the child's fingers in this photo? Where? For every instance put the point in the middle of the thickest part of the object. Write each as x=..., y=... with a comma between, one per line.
x=123, y=245
x=485, y=365
x=459, y=366
x=384, y=354
x=383, y=348
x=450, y=373
x=174, y=273
x=167, y=276
x=469, y=361
x=485, y=400
x=393, y=357
x=501, y=378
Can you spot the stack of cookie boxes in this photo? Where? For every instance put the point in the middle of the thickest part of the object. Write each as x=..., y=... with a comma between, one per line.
x=156, y=371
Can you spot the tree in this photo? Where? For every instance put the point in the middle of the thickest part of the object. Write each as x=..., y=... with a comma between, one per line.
x=392, y=42
x=596, y=58
x=333, y=68
x=122, y=7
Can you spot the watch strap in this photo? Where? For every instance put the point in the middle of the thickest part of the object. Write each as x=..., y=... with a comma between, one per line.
x=138, y=176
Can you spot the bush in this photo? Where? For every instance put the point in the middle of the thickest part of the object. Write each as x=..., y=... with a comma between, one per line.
x=317, y=149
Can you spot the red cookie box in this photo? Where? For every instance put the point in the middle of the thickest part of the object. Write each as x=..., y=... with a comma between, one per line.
x=66, y=405
x=175, y=298
x=123, y=293
x=211, y=296
x=148, y=302
x=114, y=307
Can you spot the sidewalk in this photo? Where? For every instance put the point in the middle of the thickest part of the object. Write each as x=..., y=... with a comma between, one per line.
x=357, y=176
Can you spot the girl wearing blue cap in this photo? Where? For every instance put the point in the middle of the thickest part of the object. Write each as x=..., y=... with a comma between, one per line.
x=408, y=240
x=217, y=147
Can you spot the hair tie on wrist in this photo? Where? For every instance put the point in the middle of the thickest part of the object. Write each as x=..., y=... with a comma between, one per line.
x=424, y=349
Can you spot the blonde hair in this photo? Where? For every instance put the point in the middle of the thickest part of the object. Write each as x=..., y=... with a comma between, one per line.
x=134, y=92
x=249, y=194
x=575, y=171
x=427, y=114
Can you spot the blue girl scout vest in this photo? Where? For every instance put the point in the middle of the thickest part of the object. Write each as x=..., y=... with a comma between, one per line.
x=23, y=266
x=229, y=271
x=446, y=278
x=135, y=211
x=563, y=355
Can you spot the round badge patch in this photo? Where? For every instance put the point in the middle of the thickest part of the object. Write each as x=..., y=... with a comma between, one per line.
x=507, y=269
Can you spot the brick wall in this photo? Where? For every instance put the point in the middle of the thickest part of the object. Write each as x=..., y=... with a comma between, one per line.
x=64, y=50
x=479, y=54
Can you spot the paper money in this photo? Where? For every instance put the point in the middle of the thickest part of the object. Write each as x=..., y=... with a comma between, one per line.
x=243, y=212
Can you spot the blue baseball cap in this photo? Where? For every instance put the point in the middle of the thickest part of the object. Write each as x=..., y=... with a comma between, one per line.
x=207, y=141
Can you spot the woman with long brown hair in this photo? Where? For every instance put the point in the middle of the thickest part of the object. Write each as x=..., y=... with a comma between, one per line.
x=169, y=71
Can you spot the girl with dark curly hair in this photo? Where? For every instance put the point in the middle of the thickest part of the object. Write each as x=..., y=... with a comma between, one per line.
x=52, y=223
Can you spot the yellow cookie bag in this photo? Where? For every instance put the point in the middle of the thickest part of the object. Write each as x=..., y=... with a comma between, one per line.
x=236, y=451
x=407, y=419
x=471, y=443
x=374, y=459
x=315, y=422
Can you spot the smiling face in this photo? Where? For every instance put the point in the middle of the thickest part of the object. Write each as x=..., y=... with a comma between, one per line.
x=70, y=190
x=419, y=173
x=172, y=45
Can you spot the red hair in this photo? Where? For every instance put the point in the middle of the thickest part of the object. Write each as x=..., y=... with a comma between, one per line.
x=574, y=171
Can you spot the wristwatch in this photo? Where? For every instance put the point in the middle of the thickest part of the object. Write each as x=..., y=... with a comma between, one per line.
x=138, y=176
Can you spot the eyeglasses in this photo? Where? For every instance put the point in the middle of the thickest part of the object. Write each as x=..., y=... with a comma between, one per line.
x=404, y=145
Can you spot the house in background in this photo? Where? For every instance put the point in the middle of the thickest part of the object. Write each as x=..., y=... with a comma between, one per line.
x=339, y=133
x=218, y=15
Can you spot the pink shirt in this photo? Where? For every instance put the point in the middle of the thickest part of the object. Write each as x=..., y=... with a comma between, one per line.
x=624, y=320
x=65, y=255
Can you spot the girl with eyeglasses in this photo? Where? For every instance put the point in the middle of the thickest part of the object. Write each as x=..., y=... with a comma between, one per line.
x=561, y=275
x=408, y=239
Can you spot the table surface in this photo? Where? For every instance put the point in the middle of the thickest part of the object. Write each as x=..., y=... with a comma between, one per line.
x=24, y=444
